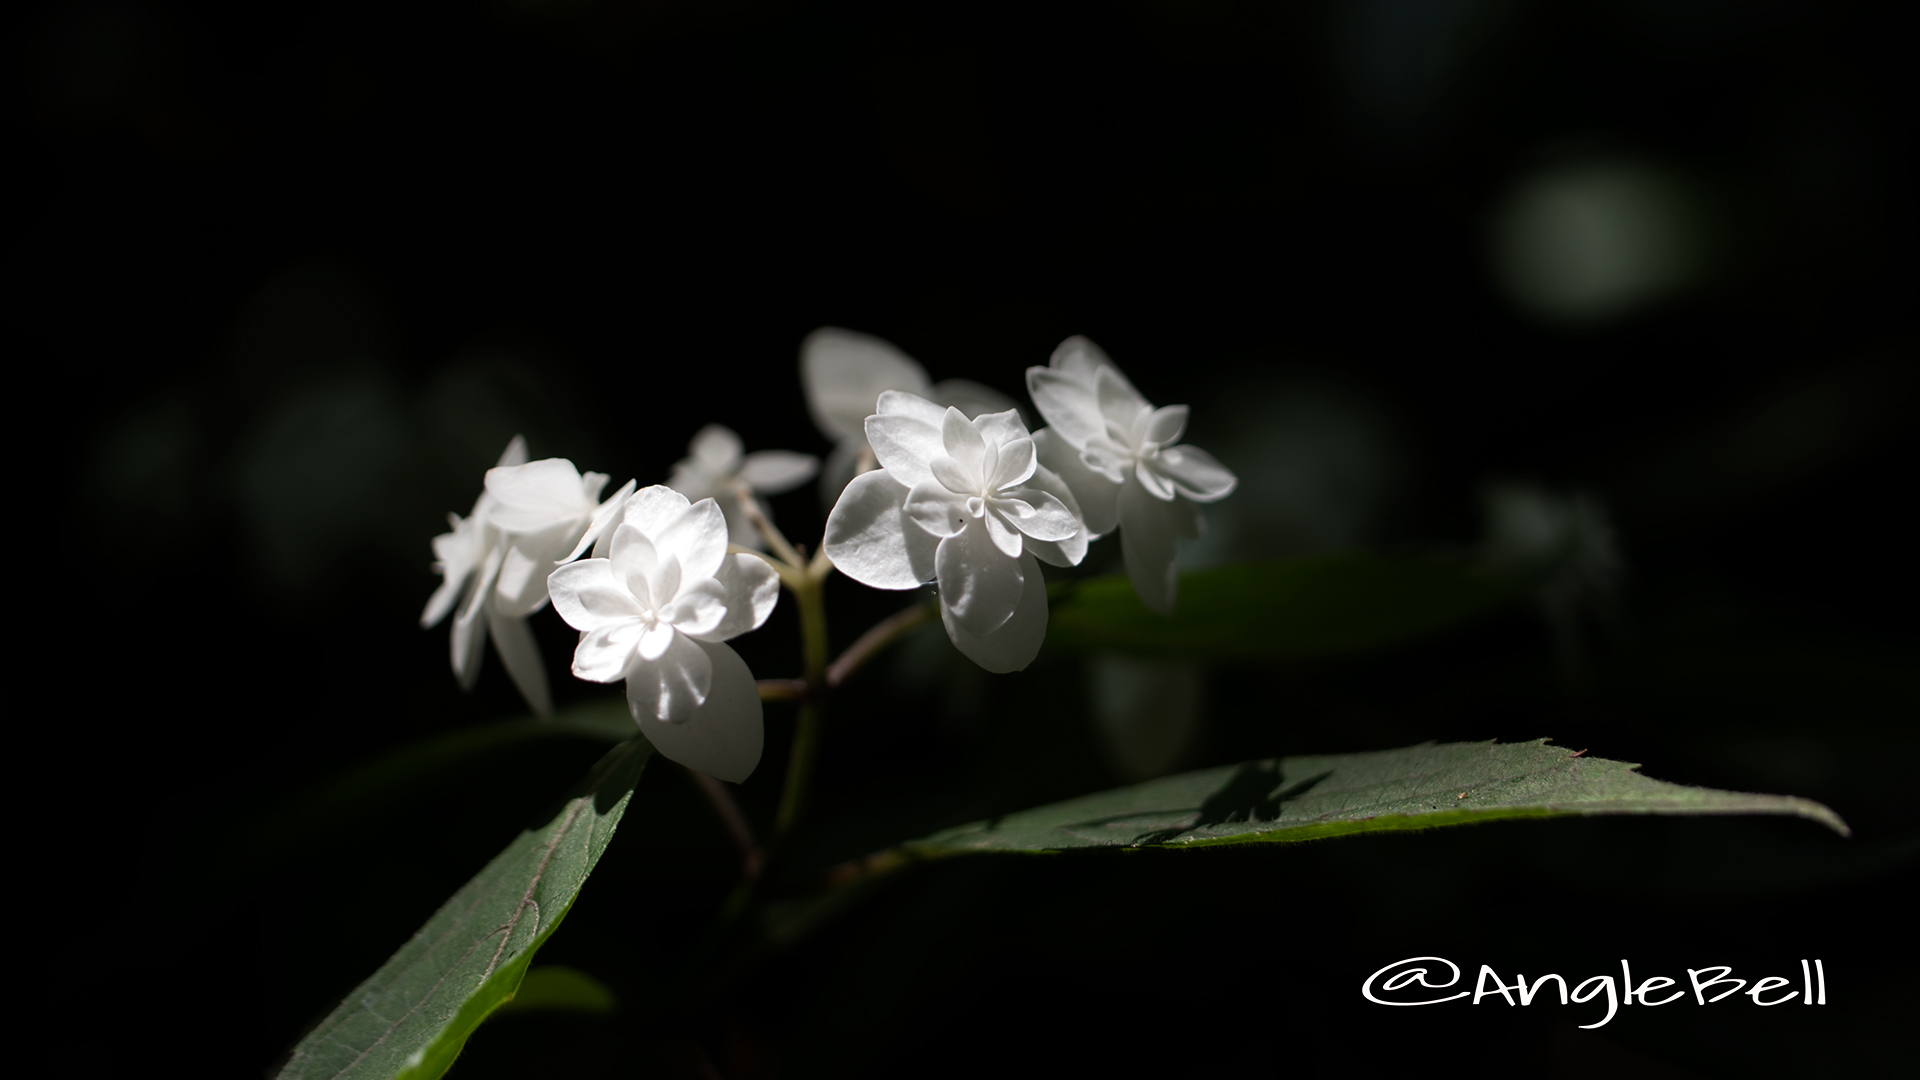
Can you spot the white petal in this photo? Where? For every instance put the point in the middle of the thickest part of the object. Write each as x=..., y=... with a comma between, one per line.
x=978, y=582
x=724, y=735
x=514, y=454
x=717, y=448
x=699, y=608
x=1078, y=358
x=1148, y=529
x=1067, y=403
x=605, y=517
x=932, y=506
x=606, y=653
x=844, y=374
x=963, y=444
x=514, y=642
x=870, y=542
x=537, y=495
x=1095, y=494
x=904, y=446
x=1069, y=552
x=1120, y=403
x=1040, y=515
x=1001, y=427
x=740, y=527
x=1153, y=483
x=1166, y=425
x=1104, y=457
x=468, y=643
x=776, y=472
x=1004, y=536
x=1195, y=472
x=635, y=560
x=752, y=588
x=698, y=538
x=1130, y=433
x=444, y=597
x=522, y=586
x=652, y=507
x=589, y=595
x=1016, y=464
x=664, y=582
x=953, y=476
x=692, y=479
x=591, y=483
x=469, y=638
x=1014, y=645
x=551, y=544
x=972, y=398
x=913, y=406
x=671, y=686
x=655, y=640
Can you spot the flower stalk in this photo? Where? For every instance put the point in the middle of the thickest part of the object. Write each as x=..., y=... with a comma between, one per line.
x=806, y=580
x=809, y=594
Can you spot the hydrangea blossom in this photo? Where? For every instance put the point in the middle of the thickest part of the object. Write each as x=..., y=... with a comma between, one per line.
x=964, y=503
x=844, y=374
x=655, y=612
x=714, y=464
x=1119, y=456
x=549, y=514
x=469, y=560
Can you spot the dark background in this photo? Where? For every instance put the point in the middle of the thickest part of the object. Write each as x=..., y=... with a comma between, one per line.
x=283, y=279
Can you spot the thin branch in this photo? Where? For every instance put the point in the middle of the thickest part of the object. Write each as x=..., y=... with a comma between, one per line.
x=752, y=856
x=775, y=538
x=882, y=634
x=783, y=689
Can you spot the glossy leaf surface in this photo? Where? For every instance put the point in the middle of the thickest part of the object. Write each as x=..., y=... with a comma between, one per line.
x=1314, y=797
x=411, y=1017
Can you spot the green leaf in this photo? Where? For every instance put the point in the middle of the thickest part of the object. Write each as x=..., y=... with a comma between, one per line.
x=1319, y=606
x=1314, y=797
x=411, y=1018
x=553, y=988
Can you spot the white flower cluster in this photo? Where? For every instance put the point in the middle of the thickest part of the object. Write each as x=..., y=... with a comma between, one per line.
x=939, y=483
x=654, y=604
x=973, y=504
x=531, y=517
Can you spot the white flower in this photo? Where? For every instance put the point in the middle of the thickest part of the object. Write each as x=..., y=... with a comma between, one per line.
x=966, y=503
x=844, y=374
x=549, y=514
x=714, y=464
x=1118, y=455
x=469, y=559
x=655, y=611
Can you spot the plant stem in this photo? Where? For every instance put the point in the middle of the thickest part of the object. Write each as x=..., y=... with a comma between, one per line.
x=878, y=637
x=776, y=539
x=808, y=593
x=782, y=689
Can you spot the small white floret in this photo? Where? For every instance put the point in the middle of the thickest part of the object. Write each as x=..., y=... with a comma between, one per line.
x=715, y=465
x=964, y=503
x=1123, y=461
x=655, y=612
